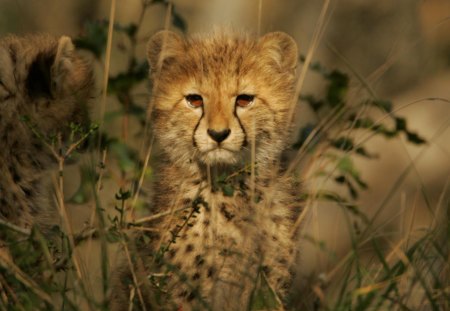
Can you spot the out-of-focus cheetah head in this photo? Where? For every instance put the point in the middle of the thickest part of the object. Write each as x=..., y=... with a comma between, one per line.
x=215, y=95
x=42, y=78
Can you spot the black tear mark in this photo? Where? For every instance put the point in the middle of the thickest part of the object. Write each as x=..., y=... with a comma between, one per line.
x=195, y=128
x=245, y=142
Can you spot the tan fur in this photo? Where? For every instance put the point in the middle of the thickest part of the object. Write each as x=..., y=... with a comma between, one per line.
x=42, y=78
x=215, y=261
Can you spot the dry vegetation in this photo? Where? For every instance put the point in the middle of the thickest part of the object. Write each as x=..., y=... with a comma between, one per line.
x=375, y=226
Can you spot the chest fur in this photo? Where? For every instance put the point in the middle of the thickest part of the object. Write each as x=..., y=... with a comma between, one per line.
x=219, y=241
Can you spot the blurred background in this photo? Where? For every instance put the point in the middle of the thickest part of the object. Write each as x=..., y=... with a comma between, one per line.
x=400, y=49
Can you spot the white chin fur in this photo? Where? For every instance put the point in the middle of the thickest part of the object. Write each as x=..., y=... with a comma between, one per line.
x=219, y=156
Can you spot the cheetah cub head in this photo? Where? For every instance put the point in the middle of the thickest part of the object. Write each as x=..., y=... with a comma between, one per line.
x=214, y=96
x=43, y=78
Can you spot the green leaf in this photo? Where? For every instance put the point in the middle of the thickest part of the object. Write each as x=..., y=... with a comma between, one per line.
x=123, y=195
x=400, y=124
x=228, y=190
x=84, y=192
x=340, y=179
x=303, y=136
x=130, y=30
x=125, y=156
x=123, y=82
x=347, y=168
x=384, y=105
x=345, y=165
x=343, y=143
x=415, y=138
x=178, y=21
x=337, y=88
x=94, y=37
x=263, y=296
x=362, y=151
x=314, y=103
x=113, y=236
x=369, y=124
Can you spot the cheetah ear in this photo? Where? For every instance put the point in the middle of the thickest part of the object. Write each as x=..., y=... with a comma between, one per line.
x=49, y=69
x=163, y=48
x=281, y=48
x=63, y=63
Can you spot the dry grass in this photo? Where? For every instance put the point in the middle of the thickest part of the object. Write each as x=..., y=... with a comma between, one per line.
x=377, y=271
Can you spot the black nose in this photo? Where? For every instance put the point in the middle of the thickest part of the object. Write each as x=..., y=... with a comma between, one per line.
x=219, y=136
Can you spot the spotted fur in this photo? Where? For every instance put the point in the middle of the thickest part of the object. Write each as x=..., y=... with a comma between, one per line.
x=214, y=251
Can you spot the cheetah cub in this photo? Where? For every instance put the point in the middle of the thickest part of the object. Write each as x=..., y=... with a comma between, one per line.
x=220, y=105
x=44, y=80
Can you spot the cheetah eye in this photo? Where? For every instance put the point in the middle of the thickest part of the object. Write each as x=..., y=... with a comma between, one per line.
x=194, y=100
x=244, y=100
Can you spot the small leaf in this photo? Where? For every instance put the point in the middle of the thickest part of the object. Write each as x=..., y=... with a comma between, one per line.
x=113, y=236
x=362, y=151
x=303, y=136
x=123, y=195
x=94, y=37
x=400, y=124
x=343, y=143
x=384, y=105
x=346, y=167
x=352, y=190
x=123, y=82
x=130, y=30
x=264, y=297
x=126, y=157
x=340, y=179
x=84, y=192
x=179, y=21
x=415, y=138
x=228, y=190
x=337, y=88
x=369, y=124
x=314, y=103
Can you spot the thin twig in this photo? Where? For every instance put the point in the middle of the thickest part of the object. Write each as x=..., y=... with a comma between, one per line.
x=112, y=15
x=133, y=274
x=26, y=232
x=141, y=178
x=25, y=280
x=318, y=32
x=159, y=215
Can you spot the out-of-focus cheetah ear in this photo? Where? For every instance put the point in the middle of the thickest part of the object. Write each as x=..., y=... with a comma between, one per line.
x=162, y=48
x=63, y=63
x=49, y=69
x=281, y=48
x=64, y=53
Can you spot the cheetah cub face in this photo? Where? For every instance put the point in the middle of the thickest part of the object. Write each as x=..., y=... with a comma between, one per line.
x=216, y=96
x=42, y=77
